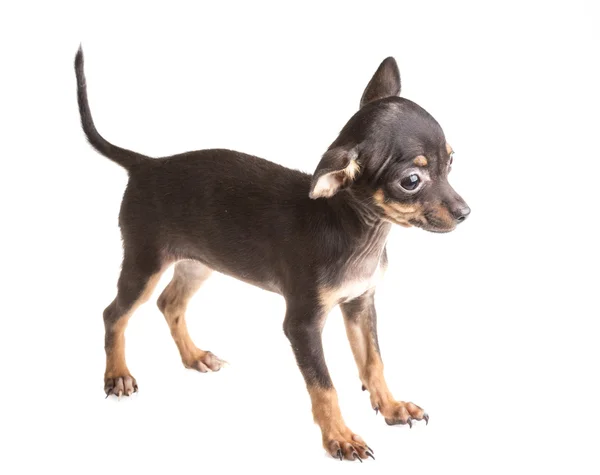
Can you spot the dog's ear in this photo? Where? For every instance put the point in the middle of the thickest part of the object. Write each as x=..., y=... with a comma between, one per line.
x=337, y=169
x=384, y=83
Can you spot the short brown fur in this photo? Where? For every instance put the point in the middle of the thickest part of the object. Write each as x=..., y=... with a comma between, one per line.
x=420, y=161
x=188, y=277
x=338, y=439
x=360, y=321
x=117, y=378
x=396, y=212
x=318, y=240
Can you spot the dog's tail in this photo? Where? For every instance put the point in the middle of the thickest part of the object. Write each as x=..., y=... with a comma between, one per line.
x=126, y=158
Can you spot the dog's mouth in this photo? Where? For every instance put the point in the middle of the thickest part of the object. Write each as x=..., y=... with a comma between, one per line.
x=432, y=226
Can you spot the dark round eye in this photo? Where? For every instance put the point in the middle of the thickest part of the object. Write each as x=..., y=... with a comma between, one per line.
x=410, y=182
x=451, y=159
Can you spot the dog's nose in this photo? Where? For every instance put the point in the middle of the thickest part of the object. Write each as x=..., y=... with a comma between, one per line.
x=461, y=212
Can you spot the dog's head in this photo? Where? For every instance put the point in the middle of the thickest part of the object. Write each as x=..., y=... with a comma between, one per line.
x=394, y=152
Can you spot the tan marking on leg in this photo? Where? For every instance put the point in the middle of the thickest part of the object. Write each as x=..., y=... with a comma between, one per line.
x=370, y=369
x=116, y=366
x=326, y=409
x=338, y=439
x=367, y=357
x=115, y=354
x=420, y=161
x=188, y=277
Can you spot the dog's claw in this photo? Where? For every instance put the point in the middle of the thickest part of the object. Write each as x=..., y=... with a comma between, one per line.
x=409, y=422
x=356, y=456
x=426, y=418
x=369, y=454
x=364, y=388
x=339, y=454
x=370, y=449
x=376, y=410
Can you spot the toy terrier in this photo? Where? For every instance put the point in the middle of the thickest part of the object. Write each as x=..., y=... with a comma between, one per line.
x=318, y=240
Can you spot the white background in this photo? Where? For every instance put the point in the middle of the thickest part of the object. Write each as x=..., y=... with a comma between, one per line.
x=493, y=329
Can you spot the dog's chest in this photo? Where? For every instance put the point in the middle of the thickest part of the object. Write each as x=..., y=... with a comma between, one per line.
x=354, y=283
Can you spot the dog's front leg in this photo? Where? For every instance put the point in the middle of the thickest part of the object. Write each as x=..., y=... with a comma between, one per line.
x=303, y=326
x=360, y=319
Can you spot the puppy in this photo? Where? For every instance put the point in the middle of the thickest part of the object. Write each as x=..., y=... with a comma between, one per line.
x=318, y=240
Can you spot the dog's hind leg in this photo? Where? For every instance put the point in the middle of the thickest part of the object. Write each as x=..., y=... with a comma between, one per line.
x=139, y=276
x=187, y=278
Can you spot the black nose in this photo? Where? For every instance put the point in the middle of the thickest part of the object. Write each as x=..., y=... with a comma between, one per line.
x=460, y=213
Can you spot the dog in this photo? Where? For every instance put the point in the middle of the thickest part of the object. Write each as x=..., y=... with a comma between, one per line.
x=319, y=241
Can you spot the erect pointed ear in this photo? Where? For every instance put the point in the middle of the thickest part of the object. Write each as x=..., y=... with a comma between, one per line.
x=337, y=169
x=384, y=83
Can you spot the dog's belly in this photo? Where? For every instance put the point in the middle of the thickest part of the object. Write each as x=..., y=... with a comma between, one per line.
x=257, y=275
x=266, y=284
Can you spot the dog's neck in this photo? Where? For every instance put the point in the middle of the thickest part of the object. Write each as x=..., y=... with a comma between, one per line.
x=364, y=207
x=362, y=219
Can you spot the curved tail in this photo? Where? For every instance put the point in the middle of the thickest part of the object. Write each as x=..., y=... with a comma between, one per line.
x=126, y=158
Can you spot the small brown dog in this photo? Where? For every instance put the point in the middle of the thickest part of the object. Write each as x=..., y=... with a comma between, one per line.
x=318, y=240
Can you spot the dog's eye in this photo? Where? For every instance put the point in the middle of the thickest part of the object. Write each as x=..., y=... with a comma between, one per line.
x=451, y=159
x=410, y=182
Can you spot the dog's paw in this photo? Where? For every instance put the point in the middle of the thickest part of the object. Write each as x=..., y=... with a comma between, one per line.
x=205, y=361
x=343, y=444
x=400, y=412
x=120, y=385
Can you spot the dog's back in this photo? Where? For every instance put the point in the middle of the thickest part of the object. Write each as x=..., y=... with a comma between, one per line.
x=216, y=206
